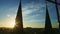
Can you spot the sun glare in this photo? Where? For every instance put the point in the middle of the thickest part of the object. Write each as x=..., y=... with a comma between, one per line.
x=11, y=24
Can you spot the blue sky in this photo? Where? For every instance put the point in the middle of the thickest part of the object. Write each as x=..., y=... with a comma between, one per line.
x=33, y=13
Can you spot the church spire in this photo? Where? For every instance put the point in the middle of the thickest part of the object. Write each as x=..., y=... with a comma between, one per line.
x=48, y=26
x=19, y=22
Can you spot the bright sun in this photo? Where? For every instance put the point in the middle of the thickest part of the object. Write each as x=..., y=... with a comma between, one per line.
x=11, y=24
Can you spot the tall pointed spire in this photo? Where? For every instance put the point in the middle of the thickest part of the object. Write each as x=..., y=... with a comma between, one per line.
x=19, y=22
x=48, y=26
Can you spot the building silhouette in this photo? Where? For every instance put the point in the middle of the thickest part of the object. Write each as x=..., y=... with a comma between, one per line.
x=18, y=20
x=48, y=26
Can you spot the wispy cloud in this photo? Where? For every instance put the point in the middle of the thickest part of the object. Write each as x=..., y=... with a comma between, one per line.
x=32, y=10
x=32, y=13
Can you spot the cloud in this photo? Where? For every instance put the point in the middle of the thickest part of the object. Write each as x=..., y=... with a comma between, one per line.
x=8, y=15
x=32, y=13
x=32, y=10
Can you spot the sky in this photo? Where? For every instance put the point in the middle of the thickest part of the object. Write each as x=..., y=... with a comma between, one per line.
x=33, y=12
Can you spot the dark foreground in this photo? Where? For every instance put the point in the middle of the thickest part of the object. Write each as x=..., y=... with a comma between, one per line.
x=27, y=31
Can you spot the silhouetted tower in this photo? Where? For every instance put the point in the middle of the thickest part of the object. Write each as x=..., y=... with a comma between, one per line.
x=48, y=26
x=19, y=22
